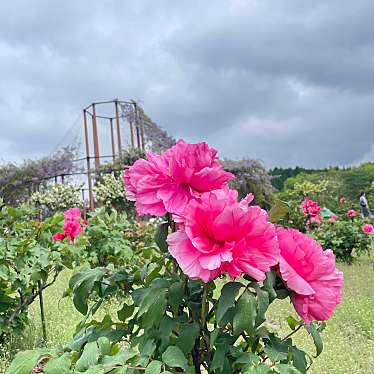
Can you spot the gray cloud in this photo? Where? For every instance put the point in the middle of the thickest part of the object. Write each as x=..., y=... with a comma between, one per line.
x=287, y=82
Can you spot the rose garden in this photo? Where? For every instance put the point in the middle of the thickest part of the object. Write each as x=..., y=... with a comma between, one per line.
x=187, y=266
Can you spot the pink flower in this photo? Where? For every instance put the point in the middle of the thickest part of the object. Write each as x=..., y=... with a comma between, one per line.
x=310, y=272
x=316, y=220
x=167, y=182
x=72, y=229
x=368, y=229
x=58, y=236
x=351, y=213
x=219, y=234
x=310, y=207
x=333, y=217
x=72, y=214
x=342, y=200
x=72, y=225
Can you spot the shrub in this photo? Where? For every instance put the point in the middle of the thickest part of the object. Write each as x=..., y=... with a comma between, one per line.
x=181, y=312
x=57, y=198
x=30, y=261
x=344, y=237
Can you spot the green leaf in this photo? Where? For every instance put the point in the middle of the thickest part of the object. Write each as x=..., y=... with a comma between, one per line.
x=125, y=312
x=299, y=359
x=316, y=338
x=287, y=369
x=161, y=235
x=59, y=365
x=245, y=314
x=175, y=358
x=175, y=296
x=219, y=357
x=24, y=362
x=104, y=345
x=154, y=367
x=82, y=284
x=260, y=369
x=187, y=336
x=274, y=354
x=279, y=211
x=227, y=299
x=89, y=357
x=124, y=355
x=292, y=322
x=262, y=305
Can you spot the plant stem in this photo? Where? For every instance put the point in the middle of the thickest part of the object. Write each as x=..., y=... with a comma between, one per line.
x=203, y=305
x=292, y=332
x=42, y=315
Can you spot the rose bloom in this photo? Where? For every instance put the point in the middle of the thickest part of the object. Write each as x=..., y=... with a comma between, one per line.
x=310, y=207
x=351, y=213
x=72, y=214
x=72, y=226
x=333, y=217
x=368, y=229
x=218, y=234
x=342, y=200
x=167, y=182
x=310, y=273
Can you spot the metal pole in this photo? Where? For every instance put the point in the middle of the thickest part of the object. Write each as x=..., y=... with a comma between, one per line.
x=118, y=130
x=84, y=205
x=89, y=178
x=112, y=138
x=132, y=133
x=95, y=138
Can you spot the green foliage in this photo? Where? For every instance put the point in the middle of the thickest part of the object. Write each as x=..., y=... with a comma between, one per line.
x=348, y=182
x=112, y=238
x=29, y=262
x=168, y=323
x=57, y=198
x=344, y=237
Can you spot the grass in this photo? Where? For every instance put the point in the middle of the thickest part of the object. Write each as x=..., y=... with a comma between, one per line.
x=348, y=338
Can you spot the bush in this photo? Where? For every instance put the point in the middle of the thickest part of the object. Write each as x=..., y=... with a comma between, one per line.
x=57, y=198
x=344, y=237
x=29, y=262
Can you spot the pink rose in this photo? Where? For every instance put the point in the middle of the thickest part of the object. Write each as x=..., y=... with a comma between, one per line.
x=72, y=225
x=167, y=182
x=218, y=234
x=351, y=213
x=368, y=229
x=310, y=272
x=59, y=236
x=342, y=200
x=333, y=217
x=72, y=214
x=310, y=207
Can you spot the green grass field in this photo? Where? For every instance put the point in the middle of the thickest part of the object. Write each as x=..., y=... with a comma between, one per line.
x=348, y=338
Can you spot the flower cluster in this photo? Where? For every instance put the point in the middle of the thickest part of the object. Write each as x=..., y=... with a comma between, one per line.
x=217, y=234
x=351, y=213
x=72, y=225
x=311, y=208
x=368, y=229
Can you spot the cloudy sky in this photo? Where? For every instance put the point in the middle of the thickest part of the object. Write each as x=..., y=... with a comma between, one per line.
x=287, y=82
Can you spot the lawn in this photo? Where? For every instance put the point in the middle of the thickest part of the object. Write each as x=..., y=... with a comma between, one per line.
x=348, y=338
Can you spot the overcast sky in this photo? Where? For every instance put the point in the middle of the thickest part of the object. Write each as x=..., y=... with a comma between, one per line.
x=287, y=82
